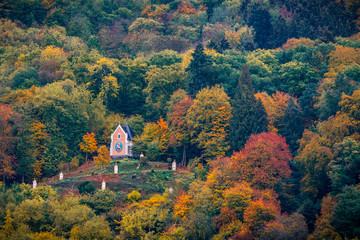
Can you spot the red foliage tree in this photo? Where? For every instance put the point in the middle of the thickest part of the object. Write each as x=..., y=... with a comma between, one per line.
x=180, y=135
x=263, y=161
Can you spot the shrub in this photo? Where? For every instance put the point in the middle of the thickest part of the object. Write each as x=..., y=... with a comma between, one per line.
x=134, y=196
x=86, y=187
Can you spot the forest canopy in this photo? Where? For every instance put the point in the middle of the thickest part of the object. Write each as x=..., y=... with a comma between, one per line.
x=256, y=101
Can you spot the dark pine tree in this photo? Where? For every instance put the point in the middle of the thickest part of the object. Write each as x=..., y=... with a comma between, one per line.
x=200, y=70
x=248, y=114
x=292, y=125
x=260, y=20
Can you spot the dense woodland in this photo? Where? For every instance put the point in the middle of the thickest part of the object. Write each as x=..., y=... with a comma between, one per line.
x=257, y=100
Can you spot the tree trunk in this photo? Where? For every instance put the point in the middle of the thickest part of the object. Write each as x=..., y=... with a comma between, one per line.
x=86, y=158
x=23, y=177
x=184, y=156
x=4, y=179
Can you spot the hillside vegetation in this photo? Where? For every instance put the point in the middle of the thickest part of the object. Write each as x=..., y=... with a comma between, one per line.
x=258, y=102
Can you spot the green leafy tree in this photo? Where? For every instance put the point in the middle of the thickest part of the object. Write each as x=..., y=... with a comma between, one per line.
x=347, y=212
x=131, y=81
x=101, y=201
x=248, y=114
x=345, y=168
x=161, y=84
x=294, y=76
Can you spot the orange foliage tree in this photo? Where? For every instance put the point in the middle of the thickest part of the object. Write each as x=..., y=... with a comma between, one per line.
x=186, y=8
x=88, y=145
x=183, y=205
x=323, y=227
x=158, y=12
x=294, y=42
x=259, y=213
x=263, y=161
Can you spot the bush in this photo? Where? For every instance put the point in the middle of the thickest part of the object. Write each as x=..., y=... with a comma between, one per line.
x=134, y=196
x=86, y=187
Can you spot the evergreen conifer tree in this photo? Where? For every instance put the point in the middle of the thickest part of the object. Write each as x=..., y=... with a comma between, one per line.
x=201, y=73
x=292, y=125
x=248, y=114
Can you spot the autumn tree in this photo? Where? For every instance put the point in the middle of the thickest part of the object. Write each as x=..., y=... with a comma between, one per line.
x=248, y=114
x=103, y=82
x=154, y=141
x=323, y=227
x=235, y=200
x=88, y=145
x=287, y=227
x=263, y=161
x=275, y=107
x=258, y=214
x=179, y=129
x=292, y=43
x=6, y=142
x=341, y=58
x=39, y=138
x=208, y=121
x=312, y=160
x=183, y=205
x=8, y=228
x=103, y=157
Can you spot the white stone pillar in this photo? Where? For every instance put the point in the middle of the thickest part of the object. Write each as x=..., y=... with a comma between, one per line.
x=116, y=169
x=173, y=166
x=171, y=190
x=34, y=183
x=61, y=177
x=103, y=185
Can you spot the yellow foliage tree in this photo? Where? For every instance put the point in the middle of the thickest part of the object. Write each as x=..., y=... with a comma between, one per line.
x=52, y=53
x=275, y=107
x=8, y=228
x=339, y=60
x=103, y=158
x=38, y=137
x=208, y=121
